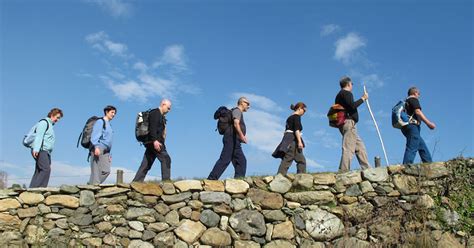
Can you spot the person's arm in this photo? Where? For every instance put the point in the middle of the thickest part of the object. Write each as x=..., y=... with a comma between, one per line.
x=422, y=116
x=240, y=134
x=349, y=99
x=40, y=131
x=154, y=135
x=298, y=139
x=96, y=134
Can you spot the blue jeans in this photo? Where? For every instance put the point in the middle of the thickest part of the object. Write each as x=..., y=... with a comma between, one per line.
x=231, y=152
x=415, y=144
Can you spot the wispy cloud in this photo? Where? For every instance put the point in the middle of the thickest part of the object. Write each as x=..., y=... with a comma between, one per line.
x=116, y=8
x=326, y=139
x=258, y=101
x=329, y=29
x=347, y=46
x=102, y=42
x=172, y=55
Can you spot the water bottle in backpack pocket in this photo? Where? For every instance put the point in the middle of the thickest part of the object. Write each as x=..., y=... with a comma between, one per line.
x=30, y=137
x=142, y=124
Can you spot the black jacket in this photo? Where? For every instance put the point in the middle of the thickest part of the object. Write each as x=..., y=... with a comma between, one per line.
x=157, y=126
x=284, y=145
x=346, y=99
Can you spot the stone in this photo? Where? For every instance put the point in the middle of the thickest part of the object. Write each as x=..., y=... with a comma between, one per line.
x=44, y=189
x=339, y=187
x=249, y=222
x=86, y=198
x=265, y=199
x=214, y=185
x=158, y=227
x=379, y=174
x=188, y=185
x=347, y=199
x=162, y=208
x=170, y=199
x=214, y=197
x=216, y=238
x=322, y=225
x=293, y=205
x=110, y=239
x=274, y=215
x=347, y=178
x=395, y=169
x=189, y=231
x=306, y=243
x=81, y=219
x=150, y=199
x=303, y=181
x=279, y=244
x=133, y=213
x=366, y=187
x=245, y=244
x=88, y=187
x=148, y=235
x=110, y=191
x=406, y=185
x=56, y=232
x=380, y=201
x=172, y=218
x=280, y=184
x=353, y=190
x=121, y=231
x=147, y=188
x=27, y=212
x=451, y=218
x=44, y=209
x=311, y=197
x=112, y=200
x=358, y=212
x=6, y=204
x=239, y=204
x=180, y=244
x=283, y=231
x=209, y=218
x=68, y=189
x=385, y=231
x=140, y=244
x=168, y=188
x=195, y=204
x=222, y=209
x=236, y=186
x=104, y=226
x=136, y=225
x=185, y=212
x=351, y=242
x=62, y=223
x=425, y=201
x=63, y=200
x=224, y=223
x=165, y=239
x=29, y=198
x=177, y=205
x=134, y=234
x=324, y=178
x=268, y=235
x=430, y=170
x=115, y=209
x=93, y=242
x=34, y=234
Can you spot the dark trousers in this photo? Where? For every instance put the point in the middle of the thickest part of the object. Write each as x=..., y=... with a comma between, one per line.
x=149, y=157
x=414, y=144
x=296, y=154
x=231, y=152
x=42, y=170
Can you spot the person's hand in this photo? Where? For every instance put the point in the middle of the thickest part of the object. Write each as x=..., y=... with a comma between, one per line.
x=300, y=145
x=34, y=154
x=243, y=139
x=157, y=145
x=365, y=96
x=96, y=151
x=110, y=159
x=431, y=125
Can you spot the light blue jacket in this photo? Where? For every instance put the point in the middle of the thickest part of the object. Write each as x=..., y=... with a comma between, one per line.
x=49, y=138
x=102, y=137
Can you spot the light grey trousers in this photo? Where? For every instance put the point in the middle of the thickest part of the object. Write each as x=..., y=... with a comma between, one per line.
x=352, y=143
x=100, y=167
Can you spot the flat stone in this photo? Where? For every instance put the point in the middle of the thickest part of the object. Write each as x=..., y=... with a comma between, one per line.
x=44, y=189
x=324, y=178
x=379, y=174
x=209, y=218
x=136, y=225
x=6, y=204
x=81, y=219
x=115, y=209
x=189, y=231
x=29, y=198
x=167, y=239
x=222, y=209
x=303, y=181
x=283, y=231
x=430, y=171
x=88, y=187
x=112, y=200
x=406, y=185
x=134, y=234
x=265, y=199
x=353, y=190
x=224, y=223
x=94, y=242
x=139, y=244
x=216, y=238
x=27, y=212
x=351, y=242
x=235, y=186
x=158, y=227
x=394, y=169
x=148, y=235
x=110, y=239
x=249, y=222
x=133, y=213
x=322, y=225
x=347, y=178
x=63, y=200
x=279, y=244
x=104, y=226
x=172, y=218
x=170, y=199
x=147, y=188
x=311, y=197
x=293, y=205
x=195, y=204
x=245, y=244
x=68, y=189
x=86, y=198
x=214, y=197
x=214, y=185
x=366, y=187
x=274, y=215
x=168, y=188
x=347, y=199
x=185, y=212
x=54, y=216
x=188, y=185
x=162, y=208
x=110, y=191
x=280, y=184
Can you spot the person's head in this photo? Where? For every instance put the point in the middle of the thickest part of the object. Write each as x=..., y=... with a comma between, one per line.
x=109, y=112
x=299, y=108
x=243, y=103
x=413, y=91
x=346, y=83
x=165, y=106
x=55, y=114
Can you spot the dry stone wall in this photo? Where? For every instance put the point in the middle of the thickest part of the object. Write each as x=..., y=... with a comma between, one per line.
x=375, y=207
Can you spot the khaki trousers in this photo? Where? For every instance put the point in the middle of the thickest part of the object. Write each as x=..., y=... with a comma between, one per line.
x=351, y=143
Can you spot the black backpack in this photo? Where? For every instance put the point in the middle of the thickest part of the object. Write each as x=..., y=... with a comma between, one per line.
x=142, y=124
x=85, y=136
x=223, y=115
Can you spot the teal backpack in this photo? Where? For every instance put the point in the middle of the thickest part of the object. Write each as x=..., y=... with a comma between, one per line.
x=29, y=138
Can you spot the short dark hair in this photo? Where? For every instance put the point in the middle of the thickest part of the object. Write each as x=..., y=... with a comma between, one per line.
x=412, y=90
x=345, y=81
x=109, y=108
x=54, y=112
x=297, y=106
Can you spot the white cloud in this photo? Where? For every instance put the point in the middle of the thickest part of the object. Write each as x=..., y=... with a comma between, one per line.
x=329, y=29
x=372, y=81
x=102, y=42
x=326, y=139
x=347, y=46
x=314, y=164
x=116, y=8
x=261, y=102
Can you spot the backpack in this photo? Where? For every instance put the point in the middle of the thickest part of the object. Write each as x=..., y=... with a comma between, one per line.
x=223, y=115
x=400, y=118
x=142, y=125
x=336, y=116
x=85, y=136
x=29, y=138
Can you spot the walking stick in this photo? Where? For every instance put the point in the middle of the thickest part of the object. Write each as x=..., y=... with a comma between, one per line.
x=376, y=127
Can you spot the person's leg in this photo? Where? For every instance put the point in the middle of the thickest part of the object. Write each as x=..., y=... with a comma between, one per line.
x=42, y=171
x=104, y=165
x=361, y=152
x=148, y=159
x=95, y=169
x=239, y=161
x=224, y=159
x=287, y=159
x=348, y=145
x=423, y=150
x=413, y=142
x=165, y=161
x=300, y=161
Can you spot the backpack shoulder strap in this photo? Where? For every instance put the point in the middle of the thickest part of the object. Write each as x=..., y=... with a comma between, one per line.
x=47, y=124
x=103, y=121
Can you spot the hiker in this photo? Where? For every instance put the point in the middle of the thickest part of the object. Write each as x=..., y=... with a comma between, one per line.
x=292, y=145
x=412, y=130
x=101, y=145
x=232, y=139
x=155, y=146
x=42, y=147
x=351, y=142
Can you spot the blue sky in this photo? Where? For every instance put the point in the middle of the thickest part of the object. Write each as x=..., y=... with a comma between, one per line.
x=82, y=55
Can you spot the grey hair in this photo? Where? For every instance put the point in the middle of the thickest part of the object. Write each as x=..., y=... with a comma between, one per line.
x=242, y=99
